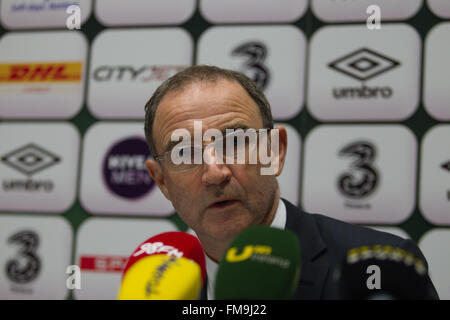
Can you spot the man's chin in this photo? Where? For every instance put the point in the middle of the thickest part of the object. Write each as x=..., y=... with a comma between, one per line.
x=227, y=231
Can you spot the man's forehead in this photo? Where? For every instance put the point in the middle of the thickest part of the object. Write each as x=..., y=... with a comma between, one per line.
x=201, y=88
x=219, y=105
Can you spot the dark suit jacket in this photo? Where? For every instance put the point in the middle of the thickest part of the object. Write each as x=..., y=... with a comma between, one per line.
x=324, y=243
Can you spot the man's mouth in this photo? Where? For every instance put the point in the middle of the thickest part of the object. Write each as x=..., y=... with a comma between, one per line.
x=222, y=203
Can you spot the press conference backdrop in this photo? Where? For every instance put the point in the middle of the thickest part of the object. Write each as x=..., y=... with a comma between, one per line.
x=367, y=114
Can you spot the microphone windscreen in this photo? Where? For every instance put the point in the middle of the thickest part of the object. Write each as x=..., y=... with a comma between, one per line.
x=170, y=265
x=162, y=277
x=261, y=263
x=382, y=272
x=173, y=243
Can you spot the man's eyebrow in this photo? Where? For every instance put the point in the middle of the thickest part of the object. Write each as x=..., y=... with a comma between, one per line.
x=171, y=144
x=234, y=126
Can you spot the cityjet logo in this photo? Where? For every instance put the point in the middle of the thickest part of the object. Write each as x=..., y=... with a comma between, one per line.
x=363, y=64
x=234, y=146
x=129, y=73
x=158, y=247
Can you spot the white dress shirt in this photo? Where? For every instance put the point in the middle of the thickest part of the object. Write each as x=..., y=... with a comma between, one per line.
x=279, y=221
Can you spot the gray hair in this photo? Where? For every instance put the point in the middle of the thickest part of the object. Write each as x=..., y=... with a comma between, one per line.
x=202, y=73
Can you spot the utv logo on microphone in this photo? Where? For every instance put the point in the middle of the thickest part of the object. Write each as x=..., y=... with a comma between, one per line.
x=362, y=179
x=363, y=65
x=29, y=160
x=124, y=168
x=258, y=253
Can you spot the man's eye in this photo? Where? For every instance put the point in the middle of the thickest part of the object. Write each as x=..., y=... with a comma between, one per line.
x=184, y=151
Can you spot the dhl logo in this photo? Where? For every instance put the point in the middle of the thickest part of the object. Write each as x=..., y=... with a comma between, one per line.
x=246, y=253
x=40, y=72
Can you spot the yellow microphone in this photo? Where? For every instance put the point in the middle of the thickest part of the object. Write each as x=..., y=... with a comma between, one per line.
x=169, y=266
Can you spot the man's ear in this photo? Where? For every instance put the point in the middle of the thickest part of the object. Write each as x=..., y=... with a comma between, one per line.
x=282, y=136
x=155, y=171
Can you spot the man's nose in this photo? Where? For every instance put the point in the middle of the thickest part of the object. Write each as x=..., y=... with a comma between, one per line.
x=214, y=170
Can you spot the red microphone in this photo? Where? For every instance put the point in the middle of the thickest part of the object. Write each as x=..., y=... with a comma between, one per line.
x=170, y=265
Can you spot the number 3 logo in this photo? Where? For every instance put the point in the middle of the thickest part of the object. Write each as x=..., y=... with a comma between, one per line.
x=24, y=268
x=364, y=181
x=254, y=66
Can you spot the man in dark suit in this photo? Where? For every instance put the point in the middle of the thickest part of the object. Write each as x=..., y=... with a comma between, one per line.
x=328, y=243
x=218, y=196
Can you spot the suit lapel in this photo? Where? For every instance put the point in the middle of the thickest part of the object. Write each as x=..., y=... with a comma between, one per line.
x=315, y=265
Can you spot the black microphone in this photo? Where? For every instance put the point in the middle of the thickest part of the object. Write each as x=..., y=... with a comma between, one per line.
x=382, y=272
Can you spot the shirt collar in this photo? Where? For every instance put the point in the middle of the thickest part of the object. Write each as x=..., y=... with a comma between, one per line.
x=279, y=222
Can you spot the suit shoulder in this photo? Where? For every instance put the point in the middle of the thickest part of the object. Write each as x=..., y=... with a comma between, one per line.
x=339, y=236
x=346, y=235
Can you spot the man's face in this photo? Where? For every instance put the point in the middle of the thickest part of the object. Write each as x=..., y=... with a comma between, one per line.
x=216, y=200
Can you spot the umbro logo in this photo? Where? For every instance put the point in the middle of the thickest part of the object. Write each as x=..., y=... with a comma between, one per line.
x=30, y=159
x=364, y=64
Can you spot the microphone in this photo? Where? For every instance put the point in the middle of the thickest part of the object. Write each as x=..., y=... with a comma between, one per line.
x=168, y=266
x=382, y=272
x=261, y=263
